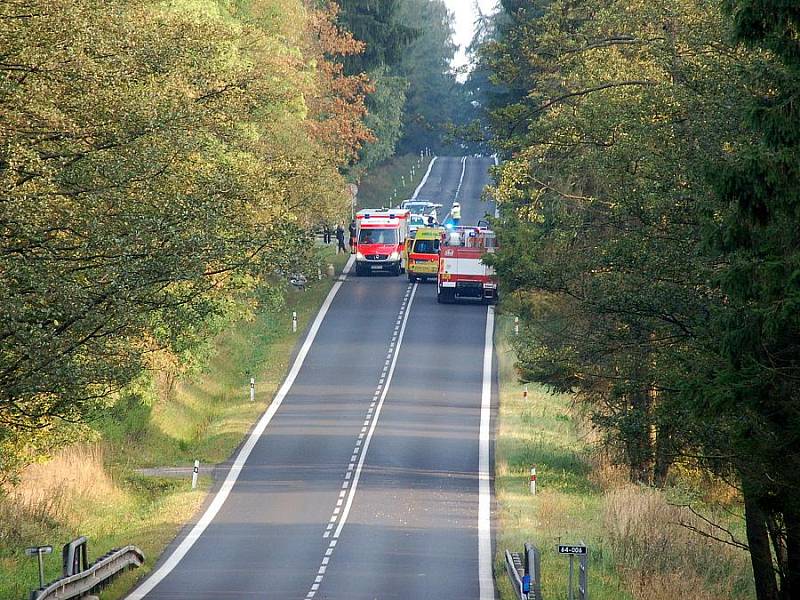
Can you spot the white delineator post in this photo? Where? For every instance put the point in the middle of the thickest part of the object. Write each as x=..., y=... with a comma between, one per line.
x=533, y=481
x=252, y=389
x=516, y=325
x=525, y=393
x=294, y=322
x=195, y=472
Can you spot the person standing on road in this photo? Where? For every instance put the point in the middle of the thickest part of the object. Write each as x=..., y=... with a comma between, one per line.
x=352, y=229
x=340, y=239
x=455, y=213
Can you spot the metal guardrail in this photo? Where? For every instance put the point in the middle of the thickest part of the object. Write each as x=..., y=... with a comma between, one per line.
x=515, y=570
x=96, y=575
x=523, y=571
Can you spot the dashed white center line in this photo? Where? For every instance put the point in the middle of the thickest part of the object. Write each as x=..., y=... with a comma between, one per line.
x=353, y=471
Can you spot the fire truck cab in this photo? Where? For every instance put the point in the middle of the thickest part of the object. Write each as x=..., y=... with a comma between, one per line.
x=462, y=272
x=380, y=239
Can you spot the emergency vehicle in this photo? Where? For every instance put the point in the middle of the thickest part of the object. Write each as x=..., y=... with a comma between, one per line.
x=380, y=240
x=422, y=253
x=462, y=272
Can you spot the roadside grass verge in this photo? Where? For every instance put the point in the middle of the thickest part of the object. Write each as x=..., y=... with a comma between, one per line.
x=640, y=548
x=93, y=489
x=378, y=187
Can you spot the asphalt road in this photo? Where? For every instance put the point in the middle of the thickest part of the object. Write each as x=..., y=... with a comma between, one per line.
x=366, y=480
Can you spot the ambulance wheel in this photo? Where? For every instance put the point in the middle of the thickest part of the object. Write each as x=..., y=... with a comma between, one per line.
x=412, y=278
x=397, y=270
x=360, y=271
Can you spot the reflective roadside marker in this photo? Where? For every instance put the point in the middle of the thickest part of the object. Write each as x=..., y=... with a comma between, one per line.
x=516, y=325
x=533, y=481
x=525, y=393
x=195, y=472
x=252, y=389
x=294, y=322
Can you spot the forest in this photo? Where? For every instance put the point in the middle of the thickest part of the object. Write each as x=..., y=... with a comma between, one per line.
x=162, y=163
x=650, y=239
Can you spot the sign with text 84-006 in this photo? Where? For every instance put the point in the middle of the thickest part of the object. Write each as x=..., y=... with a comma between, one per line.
x=571, y=549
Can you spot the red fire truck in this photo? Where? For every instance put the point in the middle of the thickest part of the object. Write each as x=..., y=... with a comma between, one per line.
x=462, y=272
x=380, y=240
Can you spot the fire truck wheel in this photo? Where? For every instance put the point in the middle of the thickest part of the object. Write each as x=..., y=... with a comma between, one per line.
x=360, y=271
x=445, y=296
x=397, y=270
x=412, y=278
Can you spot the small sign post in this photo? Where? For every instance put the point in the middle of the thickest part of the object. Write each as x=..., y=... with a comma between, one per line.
x=583, y=552
x=39, y=551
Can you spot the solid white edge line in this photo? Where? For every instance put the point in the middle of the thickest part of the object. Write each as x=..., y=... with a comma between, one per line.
x=424, y=179
x=219, y=499
x=485, y=580
x=496, y=207
x=362, y=458
x=458, y=189
x=461, y=179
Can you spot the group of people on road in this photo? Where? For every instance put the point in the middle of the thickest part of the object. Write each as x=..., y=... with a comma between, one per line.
x=339, y=232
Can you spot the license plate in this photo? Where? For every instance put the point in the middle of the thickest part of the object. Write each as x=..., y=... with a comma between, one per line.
x=377, y=267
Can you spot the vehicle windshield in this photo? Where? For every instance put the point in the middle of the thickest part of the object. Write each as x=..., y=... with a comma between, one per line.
x=377, y=236
x=417, y=220
x=418, y=207
x=426, y=246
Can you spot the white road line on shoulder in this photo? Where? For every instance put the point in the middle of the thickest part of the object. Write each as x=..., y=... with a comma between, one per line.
x=424, y=179
x=461, y=179
x=458, y=189
x=485, y=581
x=219, y=499
x=496, y=206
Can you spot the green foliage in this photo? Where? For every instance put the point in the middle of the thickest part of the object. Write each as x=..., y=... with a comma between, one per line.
x=648, y=233
x=408, y=52
x=385, y=120
x=154, y=158
x=435, y=99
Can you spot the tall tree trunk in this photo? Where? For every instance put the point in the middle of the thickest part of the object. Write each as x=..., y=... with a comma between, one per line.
x=791, y=585
x=758, y=541
x=639, y=441
x=663, y=454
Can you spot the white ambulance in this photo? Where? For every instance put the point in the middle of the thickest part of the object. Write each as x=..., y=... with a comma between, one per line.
x=380, y=239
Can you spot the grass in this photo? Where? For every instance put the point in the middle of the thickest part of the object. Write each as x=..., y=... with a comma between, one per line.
x=204, y=417
x=639, y=549
x=391, y=182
